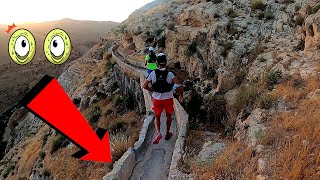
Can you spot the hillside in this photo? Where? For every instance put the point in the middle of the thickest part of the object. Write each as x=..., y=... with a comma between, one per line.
x=251, y=76
x=83, y=34
x=249, y=65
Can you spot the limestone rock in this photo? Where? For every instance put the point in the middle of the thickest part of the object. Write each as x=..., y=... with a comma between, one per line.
x=211, y=150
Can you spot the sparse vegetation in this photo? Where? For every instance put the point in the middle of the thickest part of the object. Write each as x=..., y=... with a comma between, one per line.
x=119, y=144
x=229, y=165
x=288, y=1
x=257, y=4
x=259, y=49
x=299, y=20
x=94, y=114
x=272, y=78
x=232, y=14
x=293, y=130
x=57, y=143
x=315, y=9
x=42, y=155
x=231, y=28
x=122, y=28
x=171, y=26
x=158, y=32
x=108, y=66
x=46, y=173
x=227, y=46
x=162, y=42
x=308, y=9
x=266, y=101
x=192, y=48
x=246, y=98
x=268, y=15
x=123, y=103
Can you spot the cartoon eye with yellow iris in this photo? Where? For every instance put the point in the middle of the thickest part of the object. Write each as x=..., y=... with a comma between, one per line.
x=22, y=46
x=57, y=46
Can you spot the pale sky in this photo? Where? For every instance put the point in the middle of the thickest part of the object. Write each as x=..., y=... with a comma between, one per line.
x=19, y=11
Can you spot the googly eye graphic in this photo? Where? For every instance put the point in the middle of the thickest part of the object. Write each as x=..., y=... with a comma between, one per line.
x=22, y=46
x=57, y=46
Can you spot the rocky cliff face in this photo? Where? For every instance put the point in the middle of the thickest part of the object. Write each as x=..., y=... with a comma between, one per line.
x=235, y=54
x=223, y=44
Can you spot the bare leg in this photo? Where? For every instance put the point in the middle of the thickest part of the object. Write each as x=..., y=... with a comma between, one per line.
x=157, y=124
x=169, y=120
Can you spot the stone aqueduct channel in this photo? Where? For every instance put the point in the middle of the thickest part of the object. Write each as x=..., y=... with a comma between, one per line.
x=145, y=160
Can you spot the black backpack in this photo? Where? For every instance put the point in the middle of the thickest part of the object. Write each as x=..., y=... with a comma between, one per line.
x=161, y=85
x=153, y=58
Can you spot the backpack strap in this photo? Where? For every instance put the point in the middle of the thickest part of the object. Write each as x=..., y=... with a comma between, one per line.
x=161, y=74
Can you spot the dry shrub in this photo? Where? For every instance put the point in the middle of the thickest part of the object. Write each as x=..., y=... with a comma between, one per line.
x=257, y=4
x=246, y=98
x=237, y=162
x=292, y=91
x=120, y=144
x=259, y=49
x=295, y=140
x=294, y=136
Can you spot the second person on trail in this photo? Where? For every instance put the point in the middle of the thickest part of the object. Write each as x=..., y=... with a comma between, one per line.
x=151, y=59
x=162, y=81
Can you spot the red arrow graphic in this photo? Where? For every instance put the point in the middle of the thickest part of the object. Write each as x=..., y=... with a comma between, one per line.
x=48, y=101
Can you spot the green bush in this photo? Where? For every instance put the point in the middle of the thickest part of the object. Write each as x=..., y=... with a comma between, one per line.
x=192, y=49
x=108, y=112
x=231, y=13
x=268, y=15
x=266, y=101
x=273, y=78
x=246, y=97
x=122, y=28
x=158, y=32
x=162, y=42
x=231, y=28
x=8, y=170
x=123, y=103
x=309, y=9
x=57, y=143
x=46, y=173
x=42, y=154
x=95, y=114
x=260, y=15
x=299, y=20
x=227, y=46
x=108, y=65
x=240, y=76
x=171, y=26
x=257, y=4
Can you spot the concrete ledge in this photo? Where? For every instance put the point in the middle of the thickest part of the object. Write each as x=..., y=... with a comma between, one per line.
x=143, y=133
x=122, y=169
x=182, y=124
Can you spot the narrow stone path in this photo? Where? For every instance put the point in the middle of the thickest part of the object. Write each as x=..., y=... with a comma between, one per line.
x=154, y=162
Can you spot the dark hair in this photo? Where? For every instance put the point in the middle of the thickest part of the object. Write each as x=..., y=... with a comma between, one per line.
x=162, y=60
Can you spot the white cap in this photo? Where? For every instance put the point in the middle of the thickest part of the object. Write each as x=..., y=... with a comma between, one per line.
x=151, y=49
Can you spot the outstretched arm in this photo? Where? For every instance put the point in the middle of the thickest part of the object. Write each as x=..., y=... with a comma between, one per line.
x=146, y=86
x=180, y=88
